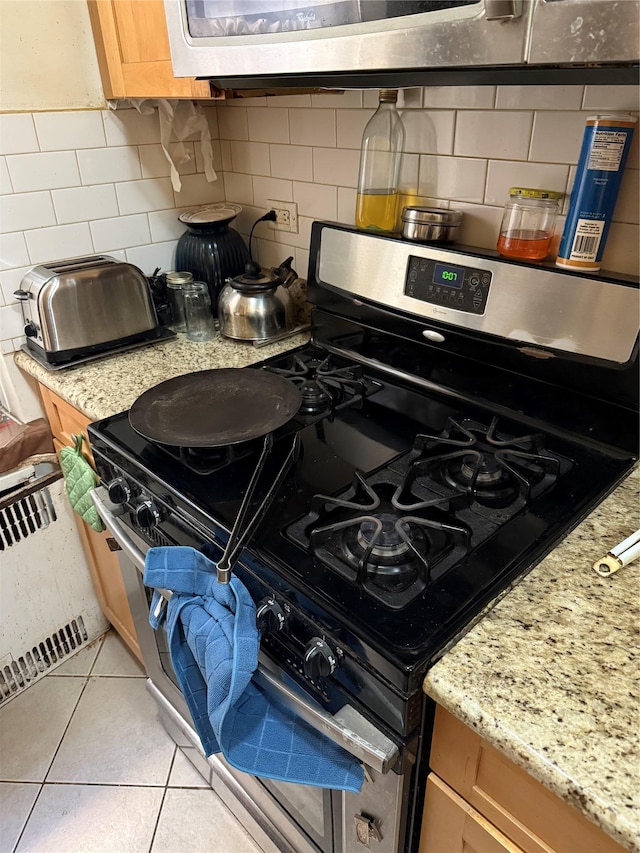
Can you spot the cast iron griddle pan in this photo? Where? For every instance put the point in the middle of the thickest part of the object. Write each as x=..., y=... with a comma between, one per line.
x=213, y=408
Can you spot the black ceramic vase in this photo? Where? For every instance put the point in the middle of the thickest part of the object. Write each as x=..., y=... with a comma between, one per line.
x=210, y=249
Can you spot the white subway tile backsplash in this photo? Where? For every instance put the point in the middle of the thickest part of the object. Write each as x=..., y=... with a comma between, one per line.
x=344, y=100
x=268, y=125
x=129, y=127
x=289, y=101
x=238, y=188
x=503, y=174
x=315, y=127
x=350, y=126
x=252, y=158
x=238, y=103
x=145, y=195
x=609, y=98
x=272, y=254
x=336, y=166
x=291, y=161
x=149, y=258
x=5, y=180
x=13, y=250
x=347, y=205
x=56, y=130
x=503, y=135
x=10, y=280
x=59, y=242
x=233, y=124
x=316, y=200
x=539, y=97
x=300, y=240
x=11, y=322
x=17, y=134
x=271, y=188
x=121, y=232
x=165, y=225
x=622, y=252
x=557, y=137
x=197, y=190
x=302, y=262
x=81, y=204
x=628, y=203
x=154, y=163
x=225, y=151
x=108, y=165
x=429, y=131
x=27, y=210
x=480, y=225
x=47, y=171
x=459, y=97
x=211, y=115
x=455, y=178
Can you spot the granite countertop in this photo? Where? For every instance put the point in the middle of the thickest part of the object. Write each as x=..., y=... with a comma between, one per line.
x=112, y=384
x=550, y=674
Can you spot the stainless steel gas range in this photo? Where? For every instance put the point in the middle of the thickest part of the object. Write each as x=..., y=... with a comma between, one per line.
x=458, y=415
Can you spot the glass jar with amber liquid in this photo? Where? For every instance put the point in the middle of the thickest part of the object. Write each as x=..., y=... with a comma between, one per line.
x=528, y=223
x=380, y=160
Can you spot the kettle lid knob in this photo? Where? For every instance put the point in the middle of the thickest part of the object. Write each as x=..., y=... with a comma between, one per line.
x=252, y=270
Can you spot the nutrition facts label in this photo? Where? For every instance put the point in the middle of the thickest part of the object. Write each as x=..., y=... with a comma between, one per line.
x=607, y=149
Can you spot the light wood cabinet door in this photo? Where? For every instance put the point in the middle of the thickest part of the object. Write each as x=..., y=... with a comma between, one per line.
x=133, y=52
x=451, y=825
x=520, y=807
x=104, y=568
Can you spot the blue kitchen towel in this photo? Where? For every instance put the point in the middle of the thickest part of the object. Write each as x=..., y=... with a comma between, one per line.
x=213, y=643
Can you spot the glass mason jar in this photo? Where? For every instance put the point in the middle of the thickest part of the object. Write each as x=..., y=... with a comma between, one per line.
x=197, y=312
x=176, y=282
x=528, y=223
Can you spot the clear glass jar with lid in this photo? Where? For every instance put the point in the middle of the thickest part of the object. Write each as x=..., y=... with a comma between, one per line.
x=176, y=282
x=528, y=223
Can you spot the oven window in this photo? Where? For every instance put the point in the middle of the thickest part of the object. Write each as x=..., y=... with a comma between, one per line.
x=225, y=18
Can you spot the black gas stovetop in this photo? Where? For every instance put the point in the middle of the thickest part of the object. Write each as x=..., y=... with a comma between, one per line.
x=404, y=513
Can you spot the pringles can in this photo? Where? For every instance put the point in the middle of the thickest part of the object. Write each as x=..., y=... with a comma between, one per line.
x=605, y=146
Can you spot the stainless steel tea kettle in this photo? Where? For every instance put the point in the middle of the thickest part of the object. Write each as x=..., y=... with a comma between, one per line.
x=256, y=305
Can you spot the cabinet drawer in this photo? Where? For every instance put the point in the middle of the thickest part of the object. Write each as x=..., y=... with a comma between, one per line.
x=451, y=825
x=520, y=806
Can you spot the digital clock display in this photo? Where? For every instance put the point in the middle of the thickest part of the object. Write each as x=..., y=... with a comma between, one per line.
x=448, y=275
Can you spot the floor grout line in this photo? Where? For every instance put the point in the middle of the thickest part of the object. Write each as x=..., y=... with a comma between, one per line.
x=164, y=796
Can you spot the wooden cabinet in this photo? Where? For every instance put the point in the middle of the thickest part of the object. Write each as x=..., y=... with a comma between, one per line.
x=478, y=801
x=133, y=52
x=65, y=421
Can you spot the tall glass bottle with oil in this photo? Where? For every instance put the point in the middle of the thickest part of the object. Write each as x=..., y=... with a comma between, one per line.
x=380, y=160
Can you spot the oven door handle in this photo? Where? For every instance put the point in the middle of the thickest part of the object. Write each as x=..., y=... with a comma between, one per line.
x=348, y=728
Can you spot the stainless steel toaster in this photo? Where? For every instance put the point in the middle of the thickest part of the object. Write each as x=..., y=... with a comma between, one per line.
x=82, y=306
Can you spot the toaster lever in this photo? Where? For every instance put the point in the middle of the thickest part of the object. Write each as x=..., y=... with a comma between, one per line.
x=22, y=294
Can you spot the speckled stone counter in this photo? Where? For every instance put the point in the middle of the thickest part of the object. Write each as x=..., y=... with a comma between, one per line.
x=109, y=385
x=550, y=675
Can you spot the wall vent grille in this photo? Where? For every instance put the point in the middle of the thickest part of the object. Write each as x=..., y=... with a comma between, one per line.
x=26, y=516
x=36, y=661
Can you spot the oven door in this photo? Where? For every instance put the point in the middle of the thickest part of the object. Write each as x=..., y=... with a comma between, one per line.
x=281, y=816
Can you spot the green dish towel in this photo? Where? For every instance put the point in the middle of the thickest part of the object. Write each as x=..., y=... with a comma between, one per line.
x=79, y=479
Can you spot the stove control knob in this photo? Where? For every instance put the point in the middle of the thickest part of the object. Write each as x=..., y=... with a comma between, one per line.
x=269, y=616
x=119, y=491
x=319, y=659
x=147, y=514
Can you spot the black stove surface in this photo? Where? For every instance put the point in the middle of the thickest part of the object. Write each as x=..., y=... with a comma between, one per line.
x=450, y=506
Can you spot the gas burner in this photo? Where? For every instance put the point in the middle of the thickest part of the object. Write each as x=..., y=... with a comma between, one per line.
x=391, y=550
x=325, y=387
x=497, y=472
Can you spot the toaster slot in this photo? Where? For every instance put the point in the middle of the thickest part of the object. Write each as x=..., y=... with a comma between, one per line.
x=74, y=264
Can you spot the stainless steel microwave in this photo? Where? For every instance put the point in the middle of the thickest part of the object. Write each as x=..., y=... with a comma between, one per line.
x=362, y=43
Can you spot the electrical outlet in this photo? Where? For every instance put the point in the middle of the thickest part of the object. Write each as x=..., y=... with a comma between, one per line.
x=286, y=215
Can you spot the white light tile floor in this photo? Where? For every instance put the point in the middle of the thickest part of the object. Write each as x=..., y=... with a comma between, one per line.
x=86, y=767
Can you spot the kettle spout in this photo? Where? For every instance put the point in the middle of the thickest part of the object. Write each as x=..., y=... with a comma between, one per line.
x=285, y=272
